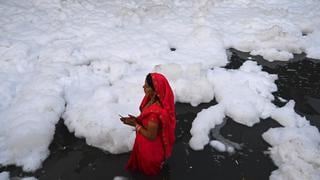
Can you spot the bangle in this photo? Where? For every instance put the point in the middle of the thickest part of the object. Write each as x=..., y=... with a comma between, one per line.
x=138, y=127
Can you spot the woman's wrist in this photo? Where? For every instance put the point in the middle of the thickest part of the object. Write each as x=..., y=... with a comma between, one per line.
x=138, y=127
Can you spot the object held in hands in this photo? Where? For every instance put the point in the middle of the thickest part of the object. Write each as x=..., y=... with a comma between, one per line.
x=120, y=116
x=129, y=120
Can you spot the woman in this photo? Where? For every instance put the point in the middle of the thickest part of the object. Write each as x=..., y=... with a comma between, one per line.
x=154, y=126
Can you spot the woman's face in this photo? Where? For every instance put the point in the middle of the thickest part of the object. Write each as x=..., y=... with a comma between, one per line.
x=147, y=89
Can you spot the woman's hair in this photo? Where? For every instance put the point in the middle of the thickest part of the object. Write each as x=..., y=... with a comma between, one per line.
x=149, y=81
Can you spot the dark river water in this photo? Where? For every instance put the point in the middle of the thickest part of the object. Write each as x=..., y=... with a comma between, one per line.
x=298, y=79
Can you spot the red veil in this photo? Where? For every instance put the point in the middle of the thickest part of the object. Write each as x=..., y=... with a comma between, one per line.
x=167, y=116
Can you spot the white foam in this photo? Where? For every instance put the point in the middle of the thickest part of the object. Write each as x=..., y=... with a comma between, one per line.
x=4, y=175
x=295, y=147
x=218, y=146
x=203, y=123
x=94, y=55
x=246, y=94
x=29, y=119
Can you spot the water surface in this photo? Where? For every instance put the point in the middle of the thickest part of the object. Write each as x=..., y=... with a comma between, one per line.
x=299, y=79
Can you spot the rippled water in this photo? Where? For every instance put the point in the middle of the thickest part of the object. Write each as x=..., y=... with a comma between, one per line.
x=299, y=79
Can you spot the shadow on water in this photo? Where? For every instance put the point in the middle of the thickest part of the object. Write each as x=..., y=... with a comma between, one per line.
x=72, y=158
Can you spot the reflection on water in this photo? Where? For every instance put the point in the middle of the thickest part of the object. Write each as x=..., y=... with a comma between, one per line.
x=299, y=80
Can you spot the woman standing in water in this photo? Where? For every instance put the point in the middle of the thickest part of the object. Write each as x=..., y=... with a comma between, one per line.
x=155, y=126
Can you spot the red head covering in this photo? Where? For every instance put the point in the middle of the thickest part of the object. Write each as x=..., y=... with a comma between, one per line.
x=167, y=116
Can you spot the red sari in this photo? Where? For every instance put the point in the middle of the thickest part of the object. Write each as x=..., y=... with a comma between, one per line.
x=148, y=156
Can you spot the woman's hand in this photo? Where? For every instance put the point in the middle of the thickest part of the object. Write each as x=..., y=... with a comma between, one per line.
x=130, y=120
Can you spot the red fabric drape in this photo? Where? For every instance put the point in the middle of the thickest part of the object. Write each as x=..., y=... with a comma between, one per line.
x=168, y=117
x=148, y=156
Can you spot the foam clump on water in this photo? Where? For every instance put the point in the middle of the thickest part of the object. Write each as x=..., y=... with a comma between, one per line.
x=28, y=123
x=189, y=83
x=218, y=146
x=4, y=175
x=203, y=123
x=94, y=105
x=246, y=94
x=295, y=146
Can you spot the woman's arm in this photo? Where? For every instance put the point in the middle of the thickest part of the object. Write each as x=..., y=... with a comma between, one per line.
x=150, y=131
